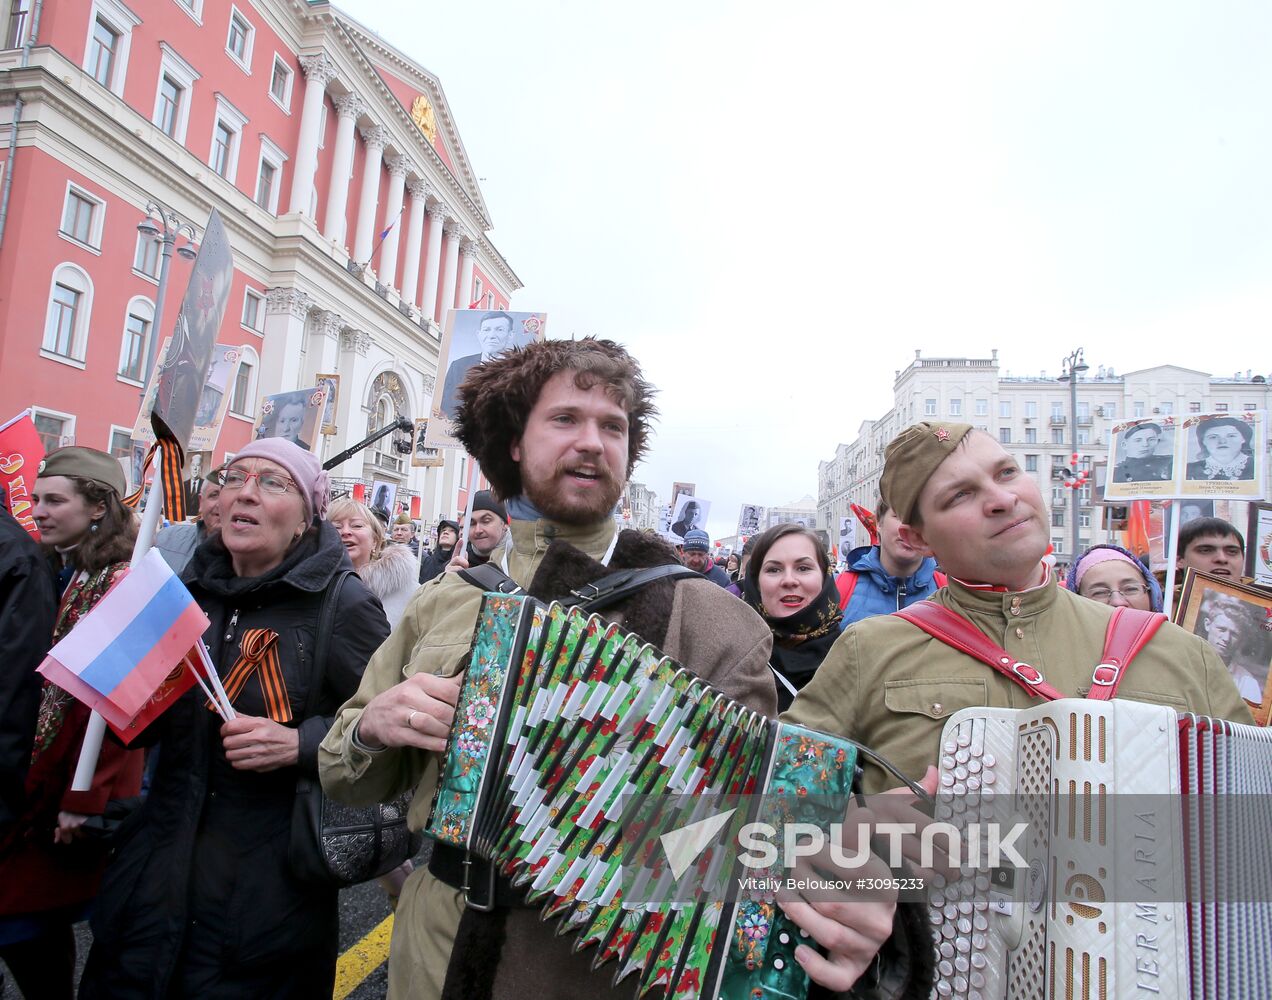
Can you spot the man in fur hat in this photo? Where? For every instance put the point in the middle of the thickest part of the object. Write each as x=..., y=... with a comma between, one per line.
x=557, y=428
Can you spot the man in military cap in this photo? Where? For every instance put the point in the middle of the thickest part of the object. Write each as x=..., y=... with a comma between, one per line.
x=1140, y=462
x=963, y=499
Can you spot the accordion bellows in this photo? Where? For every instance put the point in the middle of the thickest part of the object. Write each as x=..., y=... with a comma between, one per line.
x=574, y=744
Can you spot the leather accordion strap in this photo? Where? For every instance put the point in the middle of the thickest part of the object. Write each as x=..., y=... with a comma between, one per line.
x=258, y=655
x=171, y=460
x=1128, y=632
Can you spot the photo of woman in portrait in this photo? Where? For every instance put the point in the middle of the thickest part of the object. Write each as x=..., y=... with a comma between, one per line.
x=288, y=416
x=1225, y=450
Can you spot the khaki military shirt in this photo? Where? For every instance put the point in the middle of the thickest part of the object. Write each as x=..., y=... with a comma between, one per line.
x=891, y=686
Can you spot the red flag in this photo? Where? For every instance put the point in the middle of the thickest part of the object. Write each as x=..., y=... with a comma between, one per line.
x=415, y=508
x=21, y=452
x=360, y=492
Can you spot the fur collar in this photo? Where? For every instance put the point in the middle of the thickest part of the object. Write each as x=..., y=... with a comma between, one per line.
x=394, y=570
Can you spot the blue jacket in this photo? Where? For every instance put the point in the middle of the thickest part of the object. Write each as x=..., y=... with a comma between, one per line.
x=717, y=575
x=877, y=593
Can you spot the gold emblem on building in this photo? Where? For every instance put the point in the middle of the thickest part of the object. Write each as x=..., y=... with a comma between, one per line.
x=422, y=115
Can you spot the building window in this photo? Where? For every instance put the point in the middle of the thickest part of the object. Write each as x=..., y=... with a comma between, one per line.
x=1110, y=411
x=102, y=51
x=1194, y=407
x=137, y=328
x=192, y=7
x=227, y=131
x=1004, y=435
x=15, y=34
x=956, y=407
x=929, y=407
x=1250, y=407
x=280, y=83
x=269, y=176
x=146, y=258
x=1057, y=517
x=1031, y=463
x=54, y=429
x=1221, y=407
x=172, y=99
x=1138, y=410
x=1057, y=411
x=120, y=443
x=1084, y=412
x=238, y=43
x=1084, y=519
x=1031, y=409
x=70, y=305
x=82, y=217
x=1084, y=436
x=253, y=310
x=982, y=407
x=1166, y=409
x=1057, y=435
x=243, y=399
x=1031, y=435
x=1004, y=409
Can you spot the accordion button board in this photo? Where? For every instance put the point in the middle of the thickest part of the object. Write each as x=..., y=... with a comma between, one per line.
x=1135, y=873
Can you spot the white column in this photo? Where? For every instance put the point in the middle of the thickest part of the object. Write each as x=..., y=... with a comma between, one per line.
x=464, y=294
x=433, y=259
x=348, y=108
x=414, y=237
x=286, y=312
x=355, y=372
x=375, y=139
x=318, y=70
x=387, y=271
x=453, y=235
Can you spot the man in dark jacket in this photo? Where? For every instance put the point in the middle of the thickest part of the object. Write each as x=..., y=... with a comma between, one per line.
x=434, y=563
x=27, y=610
x=697, y=556
x=487, y=525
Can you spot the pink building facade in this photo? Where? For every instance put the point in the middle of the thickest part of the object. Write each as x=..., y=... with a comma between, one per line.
x=353, y=213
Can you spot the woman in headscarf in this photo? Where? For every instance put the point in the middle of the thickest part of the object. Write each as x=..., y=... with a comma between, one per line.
x=788, y=582
x=1111, y=575
x=200, y=900
x=49, y=868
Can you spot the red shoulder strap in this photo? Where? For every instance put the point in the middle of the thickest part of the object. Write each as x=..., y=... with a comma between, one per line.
x=940, y=578
x=1128, y=632
x=847, y=583
x=955, y=630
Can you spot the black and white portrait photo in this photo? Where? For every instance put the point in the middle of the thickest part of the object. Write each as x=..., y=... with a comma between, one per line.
x=689, y=513
x=1220, y=448
x=1145, y=454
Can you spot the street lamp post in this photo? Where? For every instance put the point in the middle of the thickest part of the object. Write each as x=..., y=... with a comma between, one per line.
x=173, y=226
x=1073, y=367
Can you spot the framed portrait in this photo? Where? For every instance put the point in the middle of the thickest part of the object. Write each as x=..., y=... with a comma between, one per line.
x=292, y=415
x=470, y=337
x=332, y=384
x=1259, y=544
x=1224, y=455
x=1237, y=622
x=678, y=488
x=690, y=512
x=750, y=520
x=1141, y=460
x=422, y=456
x=383, y=495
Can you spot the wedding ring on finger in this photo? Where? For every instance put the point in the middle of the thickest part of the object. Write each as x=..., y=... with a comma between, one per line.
x=410, y=719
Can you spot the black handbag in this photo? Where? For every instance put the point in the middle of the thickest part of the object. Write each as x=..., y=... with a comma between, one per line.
x=335, y=844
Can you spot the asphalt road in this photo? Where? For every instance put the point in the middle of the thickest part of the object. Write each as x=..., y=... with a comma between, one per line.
x=362, y=909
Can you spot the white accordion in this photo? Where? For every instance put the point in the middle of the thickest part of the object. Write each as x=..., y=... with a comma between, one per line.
x=1108, y=850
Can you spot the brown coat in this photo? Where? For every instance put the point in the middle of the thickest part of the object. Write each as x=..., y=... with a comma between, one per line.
x=693, y=620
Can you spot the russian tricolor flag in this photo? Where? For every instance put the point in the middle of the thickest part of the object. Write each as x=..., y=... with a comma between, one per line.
x=120, y=653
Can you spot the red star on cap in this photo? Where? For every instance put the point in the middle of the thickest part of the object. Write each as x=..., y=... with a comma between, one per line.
x=942, y=434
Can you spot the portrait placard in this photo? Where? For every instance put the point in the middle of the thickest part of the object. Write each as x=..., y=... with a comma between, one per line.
x=1224, y=455
x=292, y=415
x=470, y=337
x=383, y=495
x=1141, y=460
x=1259, y=544
x=422, y=456
x=677, y=489
x=751, y=519
x=690, y=512
x=332, y=384
x=214, y=399
x=1237, y=622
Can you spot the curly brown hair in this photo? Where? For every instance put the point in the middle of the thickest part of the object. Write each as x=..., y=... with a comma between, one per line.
x=495, y=400
x=115, y=533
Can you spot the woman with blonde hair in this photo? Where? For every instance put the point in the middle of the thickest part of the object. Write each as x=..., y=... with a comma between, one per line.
x=388, y=569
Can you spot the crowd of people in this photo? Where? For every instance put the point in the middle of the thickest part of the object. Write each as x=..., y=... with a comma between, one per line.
x=186, y=876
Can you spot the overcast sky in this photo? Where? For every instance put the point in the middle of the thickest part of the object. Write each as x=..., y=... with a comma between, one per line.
x=774, y=208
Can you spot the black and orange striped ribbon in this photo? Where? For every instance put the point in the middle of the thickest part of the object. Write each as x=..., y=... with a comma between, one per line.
x=258, y=655
x=171, y=460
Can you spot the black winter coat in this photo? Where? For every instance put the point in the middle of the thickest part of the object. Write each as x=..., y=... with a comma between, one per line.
x=199, y=901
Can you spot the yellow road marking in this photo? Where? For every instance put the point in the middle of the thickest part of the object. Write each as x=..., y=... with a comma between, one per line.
x=363, y=959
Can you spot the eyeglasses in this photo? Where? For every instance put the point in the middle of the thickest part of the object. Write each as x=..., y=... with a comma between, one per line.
x=1104, y=593
x=268, y=482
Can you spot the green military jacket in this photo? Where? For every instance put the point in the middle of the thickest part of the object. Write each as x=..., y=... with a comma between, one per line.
x=891, y=686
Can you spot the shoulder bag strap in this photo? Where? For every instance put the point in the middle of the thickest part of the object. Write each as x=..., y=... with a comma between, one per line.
x=489, y=577
x=1128, y=632
x=846, y=583
x=955, y=630
x=611, y=589
x=326, y=622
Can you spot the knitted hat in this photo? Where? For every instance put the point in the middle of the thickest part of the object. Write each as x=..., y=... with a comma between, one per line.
x=911, y=459
x=85, y=463
x=443, y=524
x=303, y=467
x=485, y=500
x=697, y=540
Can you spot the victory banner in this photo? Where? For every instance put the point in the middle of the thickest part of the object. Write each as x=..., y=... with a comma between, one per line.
x=21, y=452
